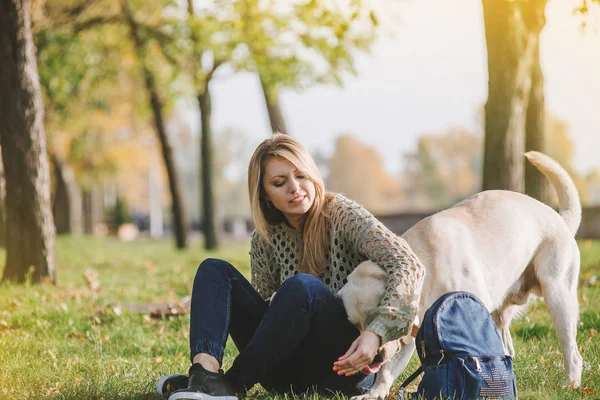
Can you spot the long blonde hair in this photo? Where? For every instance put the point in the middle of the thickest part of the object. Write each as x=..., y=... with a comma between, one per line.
x=315, y=233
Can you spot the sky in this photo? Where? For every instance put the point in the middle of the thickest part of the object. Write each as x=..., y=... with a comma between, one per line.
x=426, y=74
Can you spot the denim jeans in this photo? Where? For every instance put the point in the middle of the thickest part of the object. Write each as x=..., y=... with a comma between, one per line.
x=290, y=344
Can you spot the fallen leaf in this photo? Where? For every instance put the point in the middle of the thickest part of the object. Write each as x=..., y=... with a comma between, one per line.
x=118, y=310
x=92, y=279
x=588, y=391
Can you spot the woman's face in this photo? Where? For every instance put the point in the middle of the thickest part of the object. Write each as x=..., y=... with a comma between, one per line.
x=290, y=192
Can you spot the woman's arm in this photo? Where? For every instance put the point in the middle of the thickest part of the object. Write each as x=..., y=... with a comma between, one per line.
x=396, y=311
x=394, y=315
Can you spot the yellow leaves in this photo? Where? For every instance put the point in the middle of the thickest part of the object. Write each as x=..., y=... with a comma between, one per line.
x=542, y=361
x=128, y=59
x=357, y=169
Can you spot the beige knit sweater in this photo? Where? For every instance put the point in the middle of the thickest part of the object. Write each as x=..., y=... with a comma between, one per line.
x=355, y=236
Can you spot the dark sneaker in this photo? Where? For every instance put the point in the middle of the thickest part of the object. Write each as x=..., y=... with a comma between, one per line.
x=205, y=385
x=170, y=383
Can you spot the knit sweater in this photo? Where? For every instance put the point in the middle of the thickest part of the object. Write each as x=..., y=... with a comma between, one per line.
x=355, y=236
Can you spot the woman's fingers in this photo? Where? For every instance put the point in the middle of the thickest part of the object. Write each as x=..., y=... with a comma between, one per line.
x=351, y=350
x=353, y=362
x=359, y=355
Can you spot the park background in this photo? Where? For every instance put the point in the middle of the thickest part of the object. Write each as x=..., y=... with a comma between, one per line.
x=126, y=128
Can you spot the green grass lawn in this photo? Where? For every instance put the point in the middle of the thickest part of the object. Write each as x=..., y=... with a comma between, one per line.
x=69, y=342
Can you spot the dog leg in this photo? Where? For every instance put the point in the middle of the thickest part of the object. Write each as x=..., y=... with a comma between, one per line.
x=503, y=317
x=388, y=373
x=563, y=307
x=560, y=296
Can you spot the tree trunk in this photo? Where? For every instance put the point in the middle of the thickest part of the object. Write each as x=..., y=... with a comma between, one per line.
x=30, y=241
x=2, y=207
x=511, y=52
x=536, y=185
x=67, y=207
x=179, y=220
x=273, y=108
x=92, y=210
x=208, y=201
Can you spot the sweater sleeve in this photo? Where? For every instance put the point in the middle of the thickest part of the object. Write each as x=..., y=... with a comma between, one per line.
x=264, y=270
x=397, y=309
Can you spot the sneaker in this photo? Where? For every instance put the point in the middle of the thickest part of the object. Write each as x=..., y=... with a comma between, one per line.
x=170, y=383
x=205, y=385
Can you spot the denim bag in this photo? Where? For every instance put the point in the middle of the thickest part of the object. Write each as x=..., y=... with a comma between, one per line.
x=461, y=353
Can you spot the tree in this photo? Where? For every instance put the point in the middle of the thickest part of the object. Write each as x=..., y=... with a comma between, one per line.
x=179, y=220
x=514, y=113
x=83, y=76
x=445, y=169
x=2, y=206
x=536, y=137
x=511, y=46
x=203, y=29
x=31, y=242
x=297, y=46
x=357, y=170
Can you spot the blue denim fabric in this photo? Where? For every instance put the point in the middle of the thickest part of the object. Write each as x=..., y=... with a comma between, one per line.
x=290, y=344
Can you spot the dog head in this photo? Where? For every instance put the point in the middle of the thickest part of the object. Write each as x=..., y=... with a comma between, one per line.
x=361, y=294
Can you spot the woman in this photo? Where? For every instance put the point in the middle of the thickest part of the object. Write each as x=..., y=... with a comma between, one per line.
x=291, y=331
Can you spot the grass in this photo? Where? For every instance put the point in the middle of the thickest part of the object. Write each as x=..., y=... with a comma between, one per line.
x=71, y=342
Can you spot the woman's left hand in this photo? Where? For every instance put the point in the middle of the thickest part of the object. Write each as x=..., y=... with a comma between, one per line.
x=359, y=355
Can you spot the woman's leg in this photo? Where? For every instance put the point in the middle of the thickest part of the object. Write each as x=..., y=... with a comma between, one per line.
x=302, y=333
x=223, y=302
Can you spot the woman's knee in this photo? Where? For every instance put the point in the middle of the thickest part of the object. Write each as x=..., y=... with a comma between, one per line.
x=213, y=267
x=302, y=283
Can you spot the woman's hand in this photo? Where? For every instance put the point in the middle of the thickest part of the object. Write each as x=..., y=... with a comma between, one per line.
x=359, y=355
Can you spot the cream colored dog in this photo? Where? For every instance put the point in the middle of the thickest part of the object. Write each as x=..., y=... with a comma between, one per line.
x=504, y=247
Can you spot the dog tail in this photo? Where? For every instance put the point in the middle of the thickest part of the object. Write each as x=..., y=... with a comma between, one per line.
x=569, y=206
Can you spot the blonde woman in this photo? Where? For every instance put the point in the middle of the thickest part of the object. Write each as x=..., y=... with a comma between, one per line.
x=291, y=331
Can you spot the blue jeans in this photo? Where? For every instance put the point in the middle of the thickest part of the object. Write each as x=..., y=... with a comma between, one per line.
x=290, y=344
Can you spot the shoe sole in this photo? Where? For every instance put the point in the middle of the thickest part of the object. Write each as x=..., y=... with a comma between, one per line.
x=162, y=381
x=199, y=396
